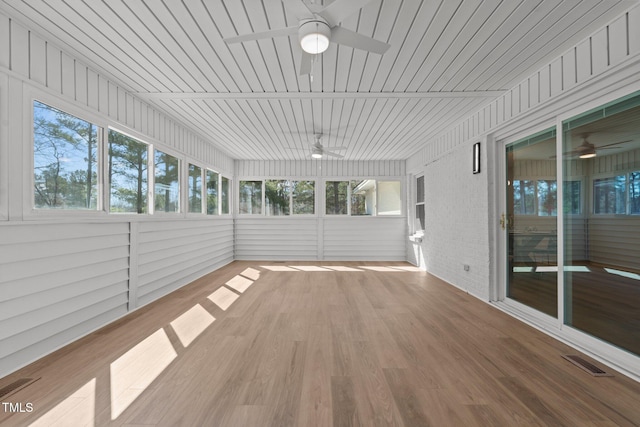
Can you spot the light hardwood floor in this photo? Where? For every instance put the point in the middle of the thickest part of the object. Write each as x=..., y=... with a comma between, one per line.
x=319, y=348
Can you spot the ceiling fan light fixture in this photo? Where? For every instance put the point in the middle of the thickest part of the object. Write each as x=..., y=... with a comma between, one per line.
x=588, y=155
x=314, y=36
x=316, y=153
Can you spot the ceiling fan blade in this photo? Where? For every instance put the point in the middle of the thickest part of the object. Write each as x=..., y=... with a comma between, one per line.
x=332, y=154
x=305, y=62
x=612, y=145
x=299, y=9
x=334, y=148
x=350, y=38
x=339, y=10
x=262, y=35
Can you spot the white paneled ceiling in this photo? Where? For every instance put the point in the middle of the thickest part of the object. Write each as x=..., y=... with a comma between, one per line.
x=447, y=58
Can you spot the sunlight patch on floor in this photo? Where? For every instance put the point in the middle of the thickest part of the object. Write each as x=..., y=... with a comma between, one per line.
x=223, y=297
x=342, y=268
x=622, y=273
x=134, y=371
x=310, y=268
x=191, y=324
x=381, y=269
x=76, y=410
x=251, y=273
x=239, y=283
x=278, y=268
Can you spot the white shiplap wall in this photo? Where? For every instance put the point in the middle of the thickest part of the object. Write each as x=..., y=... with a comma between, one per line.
x=459, y=232
x=63, y=276
x=321, y=237
x=614, y=47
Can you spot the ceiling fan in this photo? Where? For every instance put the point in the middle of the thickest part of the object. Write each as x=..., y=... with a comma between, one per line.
x=587, y=150
x=317, y=27
x=318, y=151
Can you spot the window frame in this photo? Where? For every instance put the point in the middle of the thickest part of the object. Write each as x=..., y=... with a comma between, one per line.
x=218, y=191
x=150, y=175
x=181, y=164
x=416, y=220
x=349, y=180
x=29, y=210
x=263, y=180
x=203, y=176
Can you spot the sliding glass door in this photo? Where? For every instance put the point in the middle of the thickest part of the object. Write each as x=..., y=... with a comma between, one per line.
x=597, y=199
x=601, y=168
x=531, y=222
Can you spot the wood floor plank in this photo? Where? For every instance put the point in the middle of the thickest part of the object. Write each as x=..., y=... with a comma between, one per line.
x=366, y=344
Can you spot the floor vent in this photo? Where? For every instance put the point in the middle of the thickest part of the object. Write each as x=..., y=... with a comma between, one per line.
x=16, y=385
x=586, y=366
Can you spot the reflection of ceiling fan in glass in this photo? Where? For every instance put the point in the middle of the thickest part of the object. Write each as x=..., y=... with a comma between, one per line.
x=587, y=150
x=317, y=27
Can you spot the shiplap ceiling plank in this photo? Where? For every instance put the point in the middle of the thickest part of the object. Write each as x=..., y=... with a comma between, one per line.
x=447, y=58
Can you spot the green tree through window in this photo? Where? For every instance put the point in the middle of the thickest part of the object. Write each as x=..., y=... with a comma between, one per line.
x=65, y=151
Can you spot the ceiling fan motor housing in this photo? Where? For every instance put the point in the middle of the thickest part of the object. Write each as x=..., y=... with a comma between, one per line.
x=314, y=35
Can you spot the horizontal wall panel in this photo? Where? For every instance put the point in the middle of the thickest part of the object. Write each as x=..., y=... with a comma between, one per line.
x=171, y=254
x=55, y=278
x=365, y=239
x=277, y=238
x=52, y=341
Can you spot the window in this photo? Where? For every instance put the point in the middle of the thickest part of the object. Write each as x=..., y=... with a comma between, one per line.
x=609, y=195
x=166, y=191
x=420, y=215
x=389, y=198
x=212, y=193
x=250, y=201
x=224, y=195
x=303, y=197
x=195, y=189
x=277, y=197
x=363, y=196
x=337, y=197
x=634, y=193
x=572, y=197
x=65, y=160
x=524, y=197
x=547, y=197
x=285, y=197
x=127, y=174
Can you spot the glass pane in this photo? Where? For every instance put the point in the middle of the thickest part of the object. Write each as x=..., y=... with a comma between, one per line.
x=532, y=236
x=609, y=195
x=212, y=193
x=336, y=197
x=547, y=198
x=195, y=189
x=524, y=197
x=602, y=250
x=420, y=216
x=304, y=197
x=277, y=194
x=224, y=196
x=166, y=186
x=389, y=198
x=363, y=197
x=420, y=189
x=127, y=174
x=634, y=193
x=572, y=197
x=65, y=165
x=250, y=197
